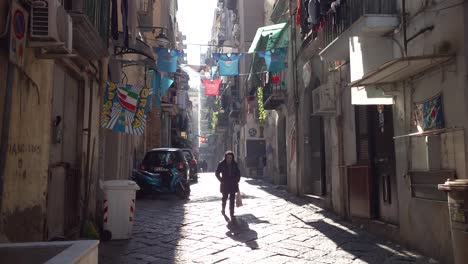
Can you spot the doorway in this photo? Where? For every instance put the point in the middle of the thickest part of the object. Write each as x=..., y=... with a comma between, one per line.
x=63, y=191
x=375, y=148
x=256, y=151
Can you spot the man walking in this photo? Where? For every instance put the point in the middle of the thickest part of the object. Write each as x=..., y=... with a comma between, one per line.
x=228, y=174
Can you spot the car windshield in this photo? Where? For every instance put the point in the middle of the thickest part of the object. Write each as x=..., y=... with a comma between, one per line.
x=156, y=158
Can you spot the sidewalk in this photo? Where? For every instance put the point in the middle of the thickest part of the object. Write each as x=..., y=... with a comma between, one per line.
x=273, y=226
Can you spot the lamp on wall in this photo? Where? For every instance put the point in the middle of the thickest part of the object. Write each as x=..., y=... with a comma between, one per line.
x=161, y=39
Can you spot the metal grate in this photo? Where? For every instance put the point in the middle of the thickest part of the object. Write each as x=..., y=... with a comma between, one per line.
x=40, y=19
x=349, y=12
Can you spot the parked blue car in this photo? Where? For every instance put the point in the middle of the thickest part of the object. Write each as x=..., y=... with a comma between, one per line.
x=163, y=170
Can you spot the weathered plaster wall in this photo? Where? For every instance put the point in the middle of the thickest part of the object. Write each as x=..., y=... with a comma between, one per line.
x=291, y=145
x=424, y=225
x=25, y=182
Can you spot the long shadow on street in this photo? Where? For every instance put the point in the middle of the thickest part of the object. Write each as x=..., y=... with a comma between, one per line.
x=353, y=242
x=239, y=229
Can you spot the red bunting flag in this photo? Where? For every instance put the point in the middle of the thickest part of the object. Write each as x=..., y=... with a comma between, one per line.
x=211, y=86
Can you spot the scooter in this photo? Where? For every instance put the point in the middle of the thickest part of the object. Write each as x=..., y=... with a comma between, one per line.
x=170, y=181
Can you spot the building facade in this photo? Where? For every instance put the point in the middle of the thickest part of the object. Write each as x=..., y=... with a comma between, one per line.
x=374, y=117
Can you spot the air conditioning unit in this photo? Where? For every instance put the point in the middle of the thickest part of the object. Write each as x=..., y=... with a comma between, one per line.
x=324, y=100
x=51, y=27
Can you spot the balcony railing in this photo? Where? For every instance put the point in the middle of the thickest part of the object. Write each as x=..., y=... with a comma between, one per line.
x=90, y=26
x=223, y=120
x=335, y=22
x=274, y=95
x=98, y=15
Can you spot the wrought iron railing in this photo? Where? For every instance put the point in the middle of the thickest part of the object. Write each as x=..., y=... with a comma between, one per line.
x=98, y=14
x=335, y=22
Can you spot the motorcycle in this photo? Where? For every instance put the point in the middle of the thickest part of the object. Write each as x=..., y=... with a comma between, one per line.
x=167, y=181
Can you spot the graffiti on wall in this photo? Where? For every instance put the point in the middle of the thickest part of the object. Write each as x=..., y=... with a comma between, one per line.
x=18, y=150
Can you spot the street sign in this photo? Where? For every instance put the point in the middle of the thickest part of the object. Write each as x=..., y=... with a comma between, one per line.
x=18, y=33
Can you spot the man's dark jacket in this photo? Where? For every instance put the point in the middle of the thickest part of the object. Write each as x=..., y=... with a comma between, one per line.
x=230, y=176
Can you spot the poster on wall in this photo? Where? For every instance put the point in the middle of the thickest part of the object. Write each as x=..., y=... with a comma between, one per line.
x=125, y=108
x=429, y=114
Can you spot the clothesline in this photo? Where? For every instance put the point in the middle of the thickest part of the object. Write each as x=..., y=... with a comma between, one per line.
x=236, y=52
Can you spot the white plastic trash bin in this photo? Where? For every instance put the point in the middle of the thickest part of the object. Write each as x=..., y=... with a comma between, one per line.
x=119, y=206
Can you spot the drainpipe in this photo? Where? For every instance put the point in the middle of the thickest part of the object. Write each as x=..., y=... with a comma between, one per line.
x=403, y=21
x=6, y=126
x=294, y=83
x=341, y=159
x=88, y=174
x=6, y=110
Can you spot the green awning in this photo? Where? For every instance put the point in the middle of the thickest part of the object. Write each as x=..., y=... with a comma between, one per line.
x=267, y=38
x=270, y=37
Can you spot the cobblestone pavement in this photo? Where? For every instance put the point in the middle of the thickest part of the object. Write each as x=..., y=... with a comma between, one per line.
x=272, y=227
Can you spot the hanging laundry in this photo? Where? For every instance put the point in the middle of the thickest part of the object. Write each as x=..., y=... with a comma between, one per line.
x=160, y=84
x=211, y=86
x=124, y=11
x=325, y=6
x=335, y=4
x=274, y=59
x=228, y=63
x=298, y=12
x=313, y=18
x=114, y=21
x=167, y=59
x=214, y=69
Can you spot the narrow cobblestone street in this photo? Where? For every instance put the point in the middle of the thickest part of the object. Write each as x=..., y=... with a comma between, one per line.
x=273, y=226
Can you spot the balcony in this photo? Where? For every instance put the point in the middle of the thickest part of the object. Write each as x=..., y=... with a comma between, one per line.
x=352, y=18
x=274, y=95
x=90, y=27
x=223, y=122
x=234, y=109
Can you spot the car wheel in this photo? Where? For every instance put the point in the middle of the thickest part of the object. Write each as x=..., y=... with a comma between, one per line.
x=182, y=190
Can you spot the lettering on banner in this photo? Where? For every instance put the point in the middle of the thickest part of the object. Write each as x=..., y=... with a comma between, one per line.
x=141, y=106
x=106, y=113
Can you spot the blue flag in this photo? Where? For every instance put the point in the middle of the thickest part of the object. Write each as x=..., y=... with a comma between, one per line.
x=228, y=63
x=160, y=85
x=167, y=59
x=274, y=59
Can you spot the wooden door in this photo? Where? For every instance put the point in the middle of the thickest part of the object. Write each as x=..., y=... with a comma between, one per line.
x=383, y=162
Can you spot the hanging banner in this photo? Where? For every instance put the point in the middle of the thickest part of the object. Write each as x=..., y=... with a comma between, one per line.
x=429, y=114
x=274, y=59
x=167, y=59
x=211, y=86
x=160, y=84
x=125, y=108
x=228, y=63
